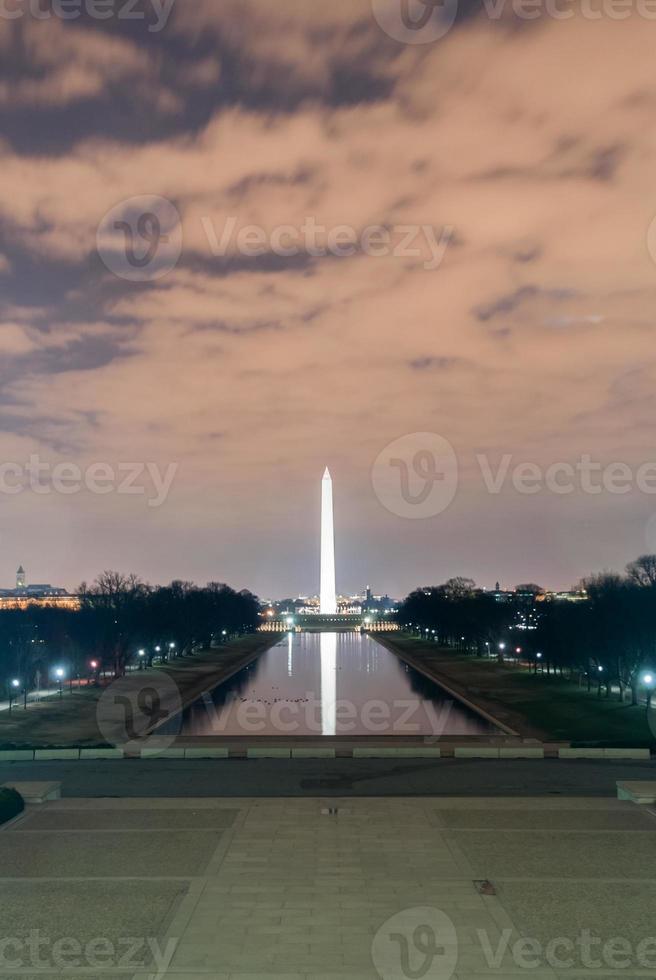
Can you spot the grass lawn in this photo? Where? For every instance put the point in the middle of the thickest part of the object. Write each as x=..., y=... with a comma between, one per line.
x=71, y=720
x=534, y=705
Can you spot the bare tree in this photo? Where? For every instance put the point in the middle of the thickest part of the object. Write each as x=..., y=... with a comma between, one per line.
x=642, y=571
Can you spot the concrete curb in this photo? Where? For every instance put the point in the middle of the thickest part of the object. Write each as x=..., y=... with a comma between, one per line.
x=420, y=752
x=101, y=754
x=522, y=753
x=156, y=753
x=643, y=754
x=476, y=752
x=507, y=752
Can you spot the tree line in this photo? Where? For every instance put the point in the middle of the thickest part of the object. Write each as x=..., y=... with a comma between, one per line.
x=607, y=641
x=121, y=620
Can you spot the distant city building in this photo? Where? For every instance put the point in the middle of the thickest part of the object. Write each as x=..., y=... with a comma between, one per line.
x=25, y=595
x=575, y=595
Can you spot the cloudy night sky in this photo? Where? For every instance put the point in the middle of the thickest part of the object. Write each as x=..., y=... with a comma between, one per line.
x=532, y=142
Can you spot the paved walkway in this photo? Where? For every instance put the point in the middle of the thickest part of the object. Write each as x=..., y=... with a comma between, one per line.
x=328, y=777
x=32, y=698
x=341, y=888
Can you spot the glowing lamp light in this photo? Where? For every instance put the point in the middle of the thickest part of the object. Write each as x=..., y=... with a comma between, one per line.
x=502, y=646
x=15, y=683
x=142, y=653
x=94, y=664
x=59, y=673
x=539, y=656
x=648, y=679
x=158, y=649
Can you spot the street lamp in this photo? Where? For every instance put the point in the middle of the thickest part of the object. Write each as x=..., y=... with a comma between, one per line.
x=648, y=679
x=60, y=673
x=141, y=654
x=14, y=686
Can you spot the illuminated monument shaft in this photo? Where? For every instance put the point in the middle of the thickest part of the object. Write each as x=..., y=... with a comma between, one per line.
x=328, y=592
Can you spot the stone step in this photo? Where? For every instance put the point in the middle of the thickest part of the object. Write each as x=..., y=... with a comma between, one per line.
x=36, y=792
x=637, y=791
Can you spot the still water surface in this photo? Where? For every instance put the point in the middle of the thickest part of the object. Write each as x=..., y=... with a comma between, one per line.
x=330, y=684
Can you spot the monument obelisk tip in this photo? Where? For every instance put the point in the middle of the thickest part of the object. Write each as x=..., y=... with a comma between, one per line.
x=327, y=475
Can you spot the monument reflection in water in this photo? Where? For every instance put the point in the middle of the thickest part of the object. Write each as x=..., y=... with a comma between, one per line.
x=330, y=684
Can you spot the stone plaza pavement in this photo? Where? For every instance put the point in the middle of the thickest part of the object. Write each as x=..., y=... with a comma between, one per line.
x=353, y=888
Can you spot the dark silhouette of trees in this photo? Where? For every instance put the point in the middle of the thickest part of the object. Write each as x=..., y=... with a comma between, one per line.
x=608, y=641
x=118, y=616
x=642, y=571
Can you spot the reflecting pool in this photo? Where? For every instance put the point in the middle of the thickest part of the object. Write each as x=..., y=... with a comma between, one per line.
x=330, y=684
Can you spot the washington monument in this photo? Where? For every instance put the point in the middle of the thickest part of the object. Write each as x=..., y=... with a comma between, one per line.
x=328, y=603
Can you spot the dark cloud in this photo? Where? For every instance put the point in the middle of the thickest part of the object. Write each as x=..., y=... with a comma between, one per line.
x=512, y=301
x=435, y=363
